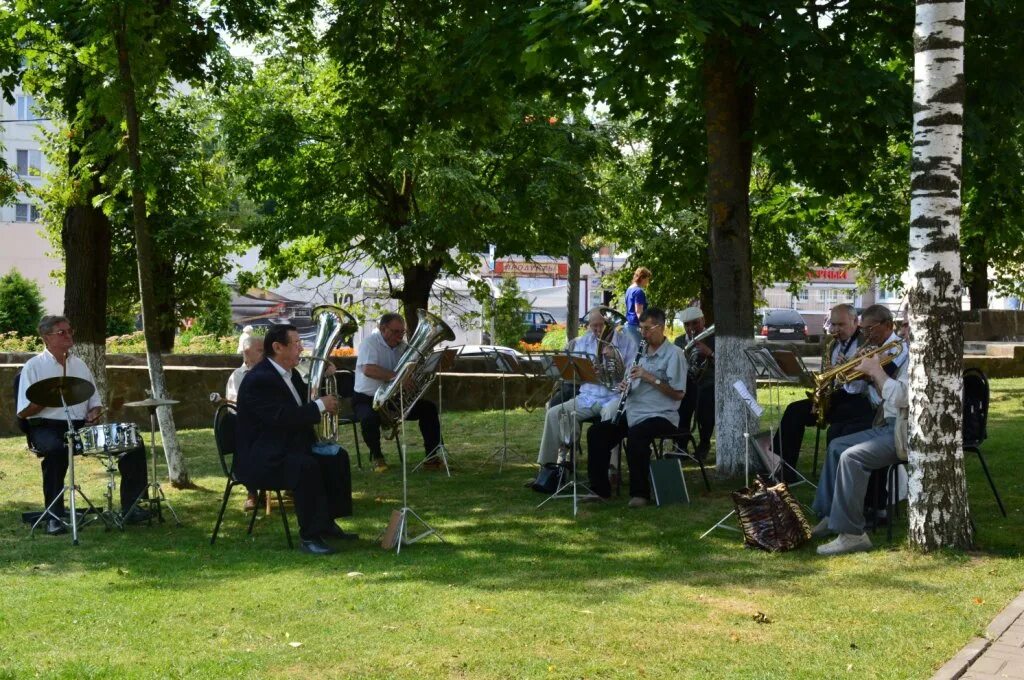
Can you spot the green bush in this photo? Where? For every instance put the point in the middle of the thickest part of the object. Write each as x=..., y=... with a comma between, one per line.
x=507, y=312
x=21, y=304
x=188, y=342
x=214, y=317
x=12, y=342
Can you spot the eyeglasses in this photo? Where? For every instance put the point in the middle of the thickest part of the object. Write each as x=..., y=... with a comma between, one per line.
x=648, y=329
x=64, y=333
x=868, y=329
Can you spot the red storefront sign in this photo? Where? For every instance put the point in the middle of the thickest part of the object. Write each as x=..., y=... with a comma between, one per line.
x=523, y=268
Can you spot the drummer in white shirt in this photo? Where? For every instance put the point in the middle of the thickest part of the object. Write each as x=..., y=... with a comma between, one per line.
x=47, y=425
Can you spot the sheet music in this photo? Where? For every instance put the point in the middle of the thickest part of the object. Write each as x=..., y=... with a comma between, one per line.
x=748, y=398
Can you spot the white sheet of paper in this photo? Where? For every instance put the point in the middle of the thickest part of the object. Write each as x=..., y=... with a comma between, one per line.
x=748, y=398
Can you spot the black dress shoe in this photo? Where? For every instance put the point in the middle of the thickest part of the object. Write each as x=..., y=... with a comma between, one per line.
x=137, y=516
x=334, y=531
x=316, y=547
x=54, y=527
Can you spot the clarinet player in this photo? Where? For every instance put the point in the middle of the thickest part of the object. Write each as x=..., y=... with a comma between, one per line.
x=656, y=383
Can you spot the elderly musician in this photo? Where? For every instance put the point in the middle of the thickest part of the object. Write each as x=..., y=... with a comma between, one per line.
x=252, y=353
x=656, y=384
x=849, y=409
x=700, y=380
x=839, y=500
x=592, y=396
x=376, y=361
x=49, y=424
x=275, y=439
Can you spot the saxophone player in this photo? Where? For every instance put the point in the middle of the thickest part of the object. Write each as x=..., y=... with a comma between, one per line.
x=592, y=396
x=376, y=360
x=700, y=380
x=657, y=382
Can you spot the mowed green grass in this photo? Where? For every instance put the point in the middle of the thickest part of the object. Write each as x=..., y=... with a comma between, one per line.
x=512, y=592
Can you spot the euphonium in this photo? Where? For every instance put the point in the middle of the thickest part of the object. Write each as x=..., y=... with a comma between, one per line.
x=333, y=326
x=826, y=381
x=611, y=369
x=393, y=402
x=697, y=364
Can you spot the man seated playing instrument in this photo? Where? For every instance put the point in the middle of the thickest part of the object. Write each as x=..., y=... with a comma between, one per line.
x=839, y=500
x=592, y=396
x=275, y=438
x=252, y=353
x=376, y=361
x=657, y=385
x=849, y=409
x=49, y=424
x=700, y=380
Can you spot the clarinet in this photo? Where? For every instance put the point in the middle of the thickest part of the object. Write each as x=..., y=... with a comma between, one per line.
x=620, y=411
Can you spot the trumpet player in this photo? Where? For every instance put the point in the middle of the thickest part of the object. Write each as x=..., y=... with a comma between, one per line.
x=658, y=383
x=849, y=409
x=605, y=349
x=700, y=380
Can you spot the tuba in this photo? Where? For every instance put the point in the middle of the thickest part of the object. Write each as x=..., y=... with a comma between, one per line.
x=333, y=325
x=697, y=363
x=391, y=401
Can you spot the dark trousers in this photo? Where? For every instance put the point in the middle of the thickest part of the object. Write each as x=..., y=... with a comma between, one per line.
x=848, y=413
x=47, y=438
x=322, y=487
x=369, y=421
x=699, y=401
x=604, y=436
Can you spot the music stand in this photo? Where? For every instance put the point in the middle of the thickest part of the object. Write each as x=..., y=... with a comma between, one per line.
x=577, y=368
x=437, y=362
x=396, y=534
x=506, y=364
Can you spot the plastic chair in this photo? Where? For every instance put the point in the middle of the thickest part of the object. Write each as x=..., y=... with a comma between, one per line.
x=224, y=437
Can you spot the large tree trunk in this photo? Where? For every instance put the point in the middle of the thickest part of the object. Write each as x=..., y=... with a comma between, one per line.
x=418, y=281
x=166, y=301
x=977, y=263
x=176, y=469
x=572, y=306
x=728, y=106
x=939, y=515
x=85, y=238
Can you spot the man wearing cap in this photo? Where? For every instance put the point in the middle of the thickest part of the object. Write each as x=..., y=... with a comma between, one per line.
x=700, y=380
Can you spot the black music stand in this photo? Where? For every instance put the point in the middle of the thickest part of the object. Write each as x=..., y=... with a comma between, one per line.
x=578, y=369
x=506, y=364
x=441, y=360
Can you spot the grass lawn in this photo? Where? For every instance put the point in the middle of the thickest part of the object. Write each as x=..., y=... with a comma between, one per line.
x=513, y=592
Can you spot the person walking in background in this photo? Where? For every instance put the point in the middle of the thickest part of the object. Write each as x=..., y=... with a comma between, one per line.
x=636, y=303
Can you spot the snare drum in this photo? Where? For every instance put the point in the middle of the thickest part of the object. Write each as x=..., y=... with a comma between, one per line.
x=109, y=438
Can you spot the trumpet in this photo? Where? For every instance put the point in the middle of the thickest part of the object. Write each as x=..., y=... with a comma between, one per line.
x=841, y=374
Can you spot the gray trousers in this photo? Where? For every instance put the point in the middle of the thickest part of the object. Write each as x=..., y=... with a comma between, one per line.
x=844, y=477
x=558, y=427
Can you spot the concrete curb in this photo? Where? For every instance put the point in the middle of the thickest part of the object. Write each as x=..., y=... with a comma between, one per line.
x=1001, y=651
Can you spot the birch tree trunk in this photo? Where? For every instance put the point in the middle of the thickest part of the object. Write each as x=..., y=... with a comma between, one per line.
x=728, y=106
x=176, y=469
x=939, y=515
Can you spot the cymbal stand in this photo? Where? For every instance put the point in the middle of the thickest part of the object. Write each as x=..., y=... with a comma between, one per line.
x=72, y=486
x=153, y=494
x=402, y=536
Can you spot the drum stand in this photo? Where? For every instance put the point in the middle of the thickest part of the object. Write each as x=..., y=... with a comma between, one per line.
x=153, y=495
x=397, y=532
x=72, y=486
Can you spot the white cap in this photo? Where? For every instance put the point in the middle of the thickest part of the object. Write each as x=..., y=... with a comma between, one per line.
x=691, y=314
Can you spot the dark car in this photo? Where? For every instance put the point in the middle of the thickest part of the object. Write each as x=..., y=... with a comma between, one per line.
x=535, y=325
x=783, y=324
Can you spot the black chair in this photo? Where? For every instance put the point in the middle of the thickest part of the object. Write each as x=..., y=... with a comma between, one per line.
x=346, y=388
x=975, y=425
x=224, y=436
x=22, y=422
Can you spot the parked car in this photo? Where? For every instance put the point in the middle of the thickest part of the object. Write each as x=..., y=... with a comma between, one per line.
x=535, y=325
x=783, y=324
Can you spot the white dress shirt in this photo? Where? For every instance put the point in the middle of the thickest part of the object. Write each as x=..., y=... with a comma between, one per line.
x=44, y=365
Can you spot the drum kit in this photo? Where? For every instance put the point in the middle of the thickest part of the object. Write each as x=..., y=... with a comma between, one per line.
x=108, y=442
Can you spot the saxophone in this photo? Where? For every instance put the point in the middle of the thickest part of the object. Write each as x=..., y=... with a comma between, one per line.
x=620, y=410
x=823, y=398
x=829, y=380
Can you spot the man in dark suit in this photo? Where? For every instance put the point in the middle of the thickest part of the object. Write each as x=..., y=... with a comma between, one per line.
x=275, y=442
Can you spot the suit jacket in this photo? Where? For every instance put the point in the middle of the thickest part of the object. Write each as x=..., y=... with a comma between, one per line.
x=272, y=428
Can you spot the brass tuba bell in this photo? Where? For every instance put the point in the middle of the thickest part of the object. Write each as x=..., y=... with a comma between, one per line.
x=333, y=326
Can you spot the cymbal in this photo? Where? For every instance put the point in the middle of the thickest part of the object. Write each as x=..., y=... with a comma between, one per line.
x=150, y=402
x=47, y=392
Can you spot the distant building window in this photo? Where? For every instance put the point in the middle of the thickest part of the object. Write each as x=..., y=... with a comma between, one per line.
x=804, y=295
x=24, y=212
x=884, y=294
x=26, y=105
x=30, y=162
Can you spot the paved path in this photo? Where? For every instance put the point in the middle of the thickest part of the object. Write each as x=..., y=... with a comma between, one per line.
x=1000, y=654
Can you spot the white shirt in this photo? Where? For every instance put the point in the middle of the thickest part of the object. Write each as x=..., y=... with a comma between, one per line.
x=235, y=381
x=44, y=365
x=896, y=392
x=374, y=350
x=586, y=345
x=902, y=354
x=287, y=377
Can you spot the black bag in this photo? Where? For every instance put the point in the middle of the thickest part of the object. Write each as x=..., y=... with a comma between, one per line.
x=548, y=478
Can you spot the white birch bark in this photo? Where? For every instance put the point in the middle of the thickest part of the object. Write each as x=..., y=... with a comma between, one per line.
x=939, y=515
x=95, y=357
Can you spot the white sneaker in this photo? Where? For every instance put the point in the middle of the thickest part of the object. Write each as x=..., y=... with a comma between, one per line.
x=638, y=502
x=820, y=529
x=846, y=543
